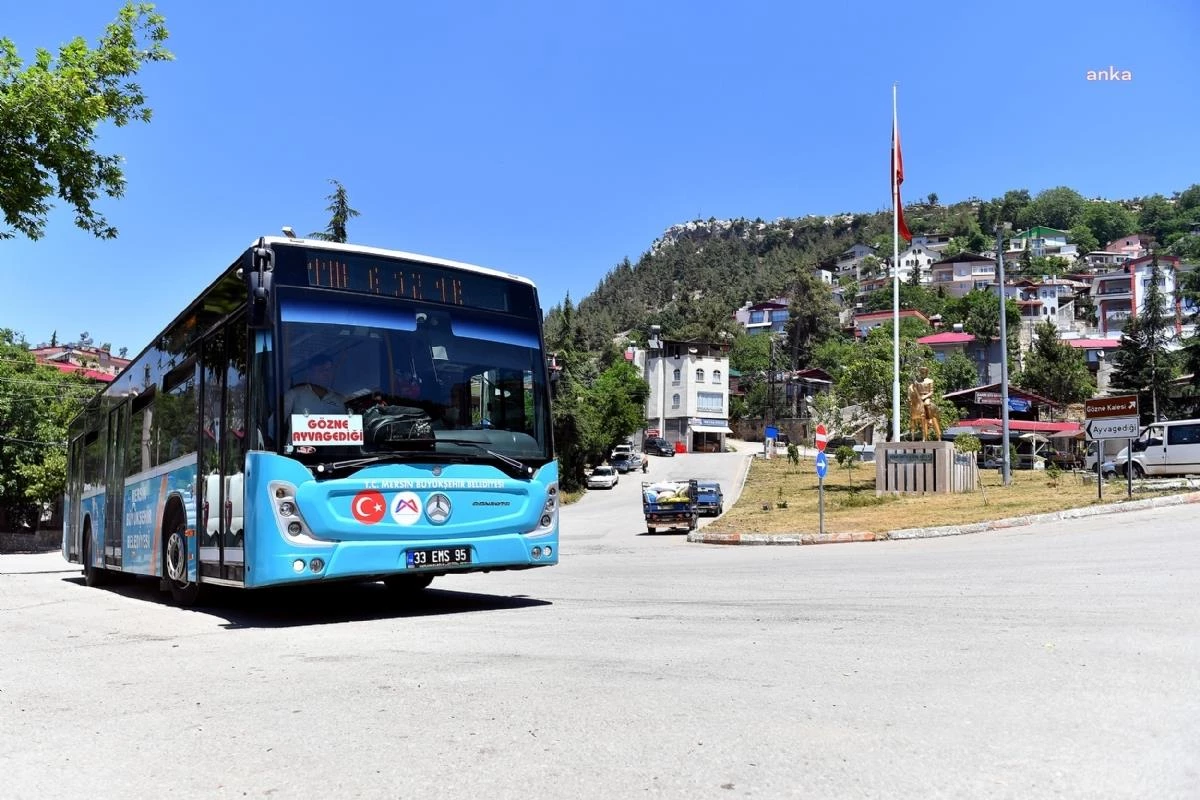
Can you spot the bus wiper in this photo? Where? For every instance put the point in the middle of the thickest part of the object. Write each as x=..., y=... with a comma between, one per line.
x=334, y=466
x=517, y=469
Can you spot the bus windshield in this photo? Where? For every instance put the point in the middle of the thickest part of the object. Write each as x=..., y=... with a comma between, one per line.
x=363, y=376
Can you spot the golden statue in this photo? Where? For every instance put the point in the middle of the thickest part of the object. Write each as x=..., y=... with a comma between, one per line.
x=921, y=405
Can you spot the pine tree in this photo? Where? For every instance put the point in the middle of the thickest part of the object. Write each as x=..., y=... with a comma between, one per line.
x=1056, y=370
x=1143, y=364
x=342, y=213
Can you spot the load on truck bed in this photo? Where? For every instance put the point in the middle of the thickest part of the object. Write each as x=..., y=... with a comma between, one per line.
x=670, y=505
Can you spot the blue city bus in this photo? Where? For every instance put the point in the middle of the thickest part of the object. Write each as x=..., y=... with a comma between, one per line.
x=323, y=412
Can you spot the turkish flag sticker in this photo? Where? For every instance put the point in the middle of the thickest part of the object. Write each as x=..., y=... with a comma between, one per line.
x=368, y=507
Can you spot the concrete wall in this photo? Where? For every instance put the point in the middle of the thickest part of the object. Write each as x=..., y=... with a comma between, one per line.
x=39, y=541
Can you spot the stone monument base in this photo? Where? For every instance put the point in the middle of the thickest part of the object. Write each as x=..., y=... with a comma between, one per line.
x=923, y=468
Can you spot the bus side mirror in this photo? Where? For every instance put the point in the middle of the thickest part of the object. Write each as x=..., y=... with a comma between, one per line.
x=258, y=284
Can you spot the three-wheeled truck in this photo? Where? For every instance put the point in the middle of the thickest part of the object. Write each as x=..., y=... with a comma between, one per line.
x=669, y=505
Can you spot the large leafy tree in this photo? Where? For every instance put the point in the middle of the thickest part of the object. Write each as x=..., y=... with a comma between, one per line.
x=812, y=318
x=1054, y=369
x=865, y=379
x=1107, y=221
x=750, y=354
x=957, y=372
x=919, y=298
x=619, y=398
x=50, y=111
x=979, y=312
x=1059, y=208
x=36, y=403
x=340, y=214
x=1084, y=240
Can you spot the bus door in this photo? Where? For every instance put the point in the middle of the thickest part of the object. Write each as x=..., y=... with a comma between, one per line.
x=72, y=524
x=222, y=453
x=114, y=485
x=212, y=490
x=233, y=452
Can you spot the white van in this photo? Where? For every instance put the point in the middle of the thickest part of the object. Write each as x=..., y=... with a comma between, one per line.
x=1164, y=448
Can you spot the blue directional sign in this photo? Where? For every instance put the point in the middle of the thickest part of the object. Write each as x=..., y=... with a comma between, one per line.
x=822, y=465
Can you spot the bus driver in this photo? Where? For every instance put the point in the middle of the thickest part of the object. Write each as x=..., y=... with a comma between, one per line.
x=314, y=396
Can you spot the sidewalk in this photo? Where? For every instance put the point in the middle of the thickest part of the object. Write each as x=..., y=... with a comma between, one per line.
x=703, y=537
x=35, y=563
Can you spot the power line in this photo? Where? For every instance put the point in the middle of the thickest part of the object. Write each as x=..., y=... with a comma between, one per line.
x=57, y=384
x=30, y=441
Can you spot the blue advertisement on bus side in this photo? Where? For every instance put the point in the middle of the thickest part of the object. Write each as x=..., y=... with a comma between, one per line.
x=143, y=513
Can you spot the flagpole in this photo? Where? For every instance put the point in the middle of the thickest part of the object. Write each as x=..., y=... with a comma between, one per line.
x=895, y=283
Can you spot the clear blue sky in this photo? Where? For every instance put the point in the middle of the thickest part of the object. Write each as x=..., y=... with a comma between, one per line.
x=555, y=138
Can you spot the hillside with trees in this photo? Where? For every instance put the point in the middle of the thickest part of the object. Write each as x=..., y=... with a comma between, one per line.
x=693, y=279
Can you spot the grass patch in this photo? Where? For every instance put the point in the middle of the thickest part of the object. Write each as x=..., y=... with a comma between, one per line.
x=781, y=498
x=567, y=498
x=862, y=500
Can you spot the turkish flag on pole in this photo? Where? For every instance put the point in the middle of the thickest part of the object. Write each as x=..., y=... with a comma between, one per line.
x=897, y=179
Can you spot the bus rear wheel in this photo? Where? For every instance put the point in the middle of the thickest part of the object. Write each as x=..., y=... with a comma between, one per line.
x=175, y=568
x=92, y=576
x=405, y=585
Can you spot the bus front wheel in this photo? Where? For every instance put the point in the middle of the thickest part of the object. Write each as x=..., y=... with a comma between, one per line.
x=175, y=568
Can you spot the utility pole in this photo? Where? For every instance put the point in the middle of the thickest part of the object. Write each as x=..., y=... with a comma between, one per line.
x=1000, y=231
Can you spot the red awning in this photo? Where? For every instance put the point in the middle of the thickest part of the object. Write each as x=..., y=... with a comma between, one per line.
x=91, y=374
x=1050, y=428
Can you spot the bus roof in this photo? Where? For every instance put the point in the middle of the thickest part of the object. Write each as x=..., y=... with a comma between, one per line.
x=381, y=252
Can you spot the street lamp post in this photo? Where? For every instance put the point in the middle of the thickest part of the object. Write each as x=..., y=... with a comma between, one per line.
x=1007, y=470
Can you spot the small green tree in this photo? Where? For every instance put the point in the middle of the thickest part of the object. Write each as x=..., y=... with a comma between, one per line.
x=969, y=444
x=793, y=454
x=847, y=458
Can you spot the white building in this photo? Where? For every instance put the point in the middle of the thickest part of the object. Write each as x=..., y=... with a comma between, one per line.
x=1120, y=294
x=959, y=274
x=689, y=392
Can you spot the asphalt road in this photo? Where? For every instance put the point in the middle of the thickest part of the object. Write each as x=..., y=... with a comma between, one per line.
x=1053, y=661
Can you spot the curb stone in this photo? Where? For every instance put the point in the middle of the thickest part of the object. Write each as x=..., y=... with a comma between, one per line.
x=799, y=538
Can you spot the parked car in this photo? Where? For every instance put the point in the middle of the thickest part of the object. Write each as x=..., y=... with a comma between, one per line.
x=622, y=462
x=1064, y=459
x=841, y=441
x=603, y=478
x=866, y=452
x=709, y=498
x=658, y=446
x=626, y=448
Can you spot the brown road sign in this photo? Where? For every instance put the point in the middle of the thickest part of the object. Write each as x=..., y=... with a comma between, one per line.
x=1102, y=407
